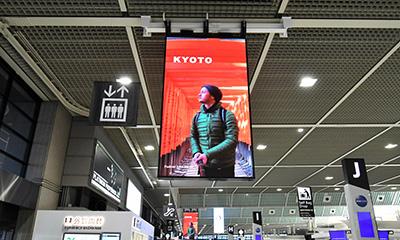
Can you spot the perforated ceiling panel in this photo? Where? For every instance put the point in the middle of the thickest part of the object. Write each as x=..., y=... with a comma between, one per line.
x=382, y=9
x=325, y=145
x=375, y=151
x=276, y=176
x=375, y=101
x=215, y=9
x=145, y=137
x=78, y=56
x=338, y=58
x=60, y=8
x=118, y=139
x=278, y=141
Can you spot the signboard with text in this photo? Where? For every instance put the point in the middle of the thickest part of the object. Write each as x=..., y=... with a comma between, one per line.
x=305, y=202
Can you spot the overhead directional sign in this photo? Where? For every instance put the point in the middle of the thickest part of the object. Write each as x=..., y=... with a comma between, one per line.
x=231, y=229
x=169, y=211
x=305, y=202
x=114, y=104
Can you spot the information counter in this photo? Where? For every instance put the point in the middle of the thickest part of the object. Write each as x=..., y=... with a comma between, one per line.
x=91, y=225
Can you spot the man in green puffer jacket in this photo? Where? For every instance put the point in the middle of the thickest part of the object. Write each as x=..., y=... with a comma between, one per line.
x=214, y=136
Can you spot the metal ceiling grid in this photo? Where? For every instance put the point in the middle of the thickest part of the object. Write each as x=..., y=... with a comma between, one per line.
x=191, y=200
x=151, y=51
x=273, y=199
x=16, y=57
x=118, y=139
x=191, y=190
x=278, y=141
x=274, y=189
x=60, y=8
x=375, y=152
x=319, y=178
x=395, y=181
x=216, y=191
x=233, y=213
x=244, y=200
x=388, y=198
x=193, y=183
x=285, y=176
x=320, y=199
x=243, y=182
x=383, y=173
x=194, y=8
x=339, y=58
x=377, y=100
x=326, y=144
x=78, y=56
x=382, y=9
x=146, y=137
x=140, y=175
x=249, y=190
x=217, y=200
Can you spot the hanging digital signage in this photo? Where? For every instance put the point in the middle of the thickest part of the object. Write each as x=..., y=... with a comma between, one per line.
x=190, y=224
x=206, y=127
x=133, y=198
x=107, y=176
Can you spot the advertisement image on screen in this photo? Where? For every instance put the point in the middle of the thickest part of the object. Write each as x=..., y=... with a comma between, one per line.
x=190, y=224
x=206, y=127
x=107, y=176
x=81, y=236
x=133, y=199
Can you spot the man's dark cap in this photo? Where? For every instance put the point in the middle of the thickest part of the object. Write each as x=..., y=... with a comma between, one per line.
x=214, y=91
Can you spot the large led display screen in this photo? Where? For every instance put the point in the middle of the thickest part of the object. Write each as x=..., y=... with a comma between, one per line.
x=107, y=176
x=206, y=127
x=190, y=224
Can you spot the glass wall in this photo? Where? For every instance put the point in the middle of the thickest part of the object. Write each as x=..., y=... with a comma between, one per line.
x=19, y=108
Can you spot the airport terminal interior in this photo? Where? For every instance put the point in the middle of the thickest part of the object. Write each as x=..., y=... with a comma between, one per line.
x=101, y=137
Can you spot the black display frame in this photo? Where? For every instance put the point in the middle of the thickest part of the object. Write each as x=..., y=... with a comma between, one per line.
x=241, y=35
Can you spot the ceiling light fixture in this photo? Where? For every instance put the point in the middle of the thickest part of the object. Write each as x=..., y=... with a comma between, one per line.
x=124, y=80
x=247, y=194
x=300, y=130
x=261, y=147
x=308, y=82
x=170, y=204
x=328, y=178
x=166, y=194
x=279, y=189
x=393, y=188
x=220, y=190
x=149, y=148
x=391, y=146
x=337, y=189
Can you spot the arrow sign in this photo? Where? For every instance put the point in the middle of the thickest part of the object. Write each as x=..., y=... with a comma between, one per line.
x=122, y=89
x=110, y=91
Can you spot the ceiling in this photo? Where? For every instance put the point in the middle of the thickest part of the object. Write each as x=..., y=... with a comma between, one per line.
x=352, y=111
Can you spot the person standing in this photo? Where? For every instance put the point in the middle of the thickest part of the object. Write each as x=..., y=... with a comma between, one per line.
x=214, y=135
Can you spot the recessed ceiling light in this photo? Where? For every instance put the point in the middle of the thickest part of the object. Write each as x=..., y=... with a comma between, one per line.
x=154, y=182
x=393, y=188
x=337, y=189
x=149, y=148
x=166, y=194
x=300, y=130
x=279, y=189
x=220, y=190
x=247, y=194
x=328, y=178
x=261, y=147
x=390, y=146
x=170, y=204
x=124, y=80
x=308, y=82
